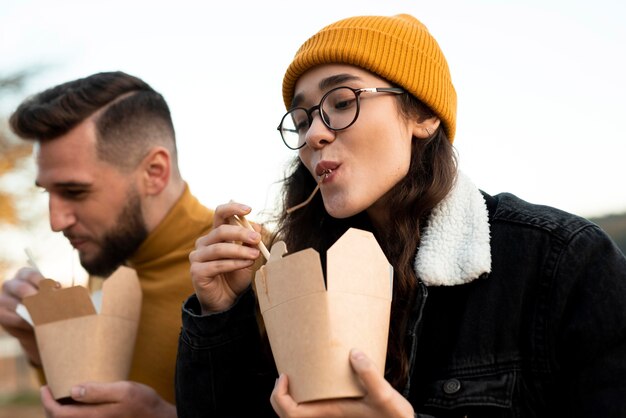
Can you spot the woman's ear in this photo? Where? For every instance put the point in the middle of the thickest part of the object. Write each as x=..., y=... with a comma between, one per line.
x=425, y=128
x=156, y=170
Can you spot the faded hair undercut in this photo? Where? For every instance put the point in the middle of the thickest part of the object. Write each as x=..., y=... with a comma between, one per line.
x=129, y=115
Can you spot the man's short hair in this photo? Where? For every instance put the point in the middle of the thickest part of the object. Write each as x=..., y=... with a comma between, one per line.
x=129, y=115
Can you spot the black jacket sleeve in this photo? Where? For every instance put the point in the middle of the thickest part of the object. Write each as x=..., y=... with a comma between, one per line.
x=223, y=368
x=591, y=343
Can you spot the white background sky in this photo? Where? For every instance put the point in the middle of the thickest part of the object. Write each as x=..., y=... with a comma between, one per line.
x=541, y=83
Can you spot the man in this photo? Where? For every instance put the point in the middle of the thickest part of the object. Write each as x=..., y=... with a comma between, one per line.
x=106, y=155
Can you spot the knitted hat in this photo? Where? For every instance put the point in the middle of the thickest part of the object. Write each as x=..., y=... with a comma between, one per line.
x=397, y=48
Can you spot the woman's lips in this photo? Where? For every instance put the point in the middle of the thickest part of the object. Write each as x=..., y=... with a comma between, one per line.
x=326, y=175
x=325, y=168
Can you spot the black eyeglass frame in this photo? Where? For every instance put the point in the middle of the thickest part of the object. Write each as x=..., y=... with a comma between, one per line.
x=318, y=107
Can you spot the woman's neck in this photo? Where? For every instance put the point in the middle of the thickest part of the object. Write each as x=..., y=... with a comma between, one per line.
x=379, y=215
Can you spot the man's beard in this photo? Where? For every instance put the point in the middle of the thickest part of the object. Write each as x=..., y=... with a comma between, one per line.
x=122, y=241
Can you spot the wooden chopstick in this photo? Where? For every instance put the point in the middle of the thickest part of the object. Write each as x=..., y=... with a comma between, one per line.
x=242, y=221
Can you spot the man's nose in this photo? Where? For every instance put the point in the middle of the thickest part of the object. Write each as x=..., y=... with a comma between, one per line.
x=61, y=214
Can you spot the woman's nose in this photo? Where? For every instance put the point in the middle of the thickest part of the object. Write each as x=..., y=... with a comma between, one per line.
x=319, y=134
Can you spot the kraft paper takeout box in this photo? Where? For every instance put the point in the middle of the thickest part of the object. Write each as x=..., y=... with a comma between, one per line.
x=311, y=329
x=77, y=344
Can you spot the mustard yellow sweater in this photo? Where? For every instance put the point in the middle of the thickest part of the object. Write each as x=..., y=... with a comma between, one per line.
x=162, y=264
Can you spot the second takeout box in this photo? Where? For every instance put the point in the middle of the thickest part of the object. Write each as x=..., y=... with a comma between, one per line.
x=78, y=344
x=312, y=327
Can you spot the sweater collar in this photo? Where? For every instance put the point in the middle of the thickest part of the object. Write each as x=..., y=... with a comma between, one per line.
x=455, y=246
x=167, y=236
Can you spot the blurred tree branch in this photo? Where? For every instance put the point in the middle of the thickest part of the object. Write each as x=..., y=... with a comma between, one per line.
x=11, y=155
x=21, y=208
x=15, y=81
x=13, y=152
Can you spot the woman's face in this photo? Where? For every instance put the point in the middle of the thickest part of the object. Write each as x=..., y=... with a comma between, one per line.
x=364, y=161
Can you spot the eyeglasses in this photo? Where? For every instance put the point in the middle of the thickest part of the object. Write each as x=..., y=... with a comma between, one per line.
x=338, y=109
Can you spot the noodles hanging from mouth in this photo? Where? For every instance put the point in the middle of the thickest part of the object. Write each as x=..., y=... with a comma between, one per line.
x=308, y=200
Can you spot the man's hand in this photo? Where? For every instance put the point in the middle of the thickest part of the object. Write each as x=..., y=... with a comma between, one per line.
x=25, y=283
x=122, y=399
x=381, y=400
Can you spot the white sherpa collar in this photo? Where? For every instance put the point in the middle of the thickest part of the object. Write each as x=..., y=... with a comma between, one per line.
x=455, y=245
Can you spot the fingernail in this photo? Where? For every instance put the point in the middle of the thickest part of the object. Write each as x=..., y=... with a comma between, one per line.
x=254, y=236
x=78, y=392
x=357, y=354
x=245, y=207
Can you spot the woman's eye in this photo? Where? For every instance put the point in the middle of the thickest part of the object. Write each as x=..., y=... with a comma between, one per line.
x=344, y=104
x=302, y=126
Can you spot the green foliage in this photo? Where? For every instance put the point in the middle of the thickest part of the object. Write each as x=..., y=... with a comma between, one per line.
x=26, y=397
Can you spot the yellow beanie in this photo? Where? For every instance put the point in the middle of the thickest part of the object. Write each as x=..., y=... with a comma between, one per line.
x=397, y=48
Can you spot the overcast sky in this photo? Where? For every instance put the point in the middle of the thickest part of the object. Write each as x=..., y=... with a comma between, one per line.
x=540, y=83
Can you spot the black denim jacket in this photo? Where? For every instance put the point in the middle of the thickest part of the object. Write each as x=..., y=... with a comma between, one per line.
x=541, y=335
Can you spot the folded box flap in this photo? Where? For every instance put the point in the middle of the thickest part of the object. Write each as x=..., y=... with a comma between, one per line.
x=53, y=303
x=357, y=264
x=288, y=277
x=121, y=294
x=311, y=330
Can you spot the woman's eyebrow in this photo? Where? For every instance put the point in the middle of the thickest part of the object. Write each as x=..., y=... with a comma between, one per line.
x=336, y=80
x=326, y=83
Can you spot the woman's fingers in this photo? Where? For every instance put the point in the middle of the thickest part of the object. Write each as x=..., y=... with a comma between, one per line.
x=221, y=261
x=229, y=233
x=224, y=212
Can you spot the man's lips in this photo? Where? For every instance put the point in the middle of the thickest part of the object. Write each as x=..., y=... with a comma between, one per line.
x=76, y=242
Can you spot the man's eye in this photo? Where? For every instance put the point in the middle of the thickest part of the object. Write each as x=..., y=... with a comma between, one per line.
x=74, y=194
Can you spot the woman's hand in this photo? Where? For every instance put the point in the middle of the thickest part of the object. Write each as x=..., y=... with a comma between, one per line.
x=221, y=264
x=381, y=400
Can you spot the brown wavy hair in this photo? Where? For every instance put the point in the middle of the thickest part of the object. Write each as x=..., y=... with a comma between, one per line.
x=431, y=175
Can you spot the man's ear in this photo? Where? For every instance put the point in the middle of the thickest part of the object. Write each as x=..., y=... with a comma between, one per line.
x=425, y=128
x=156, y=168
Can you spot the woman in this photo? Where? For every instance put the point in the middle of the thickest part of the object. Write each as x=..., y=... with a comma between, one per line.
x=500, y=308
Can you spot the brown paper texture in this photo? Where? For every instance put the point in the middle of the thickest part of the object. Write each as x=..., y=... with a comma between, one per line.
x=77, y=344
x=312, y=329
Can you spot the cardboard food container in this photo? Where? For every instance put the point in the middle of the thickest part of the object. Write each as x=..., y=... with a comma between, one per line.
x=78, y=344
x=312, y=327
